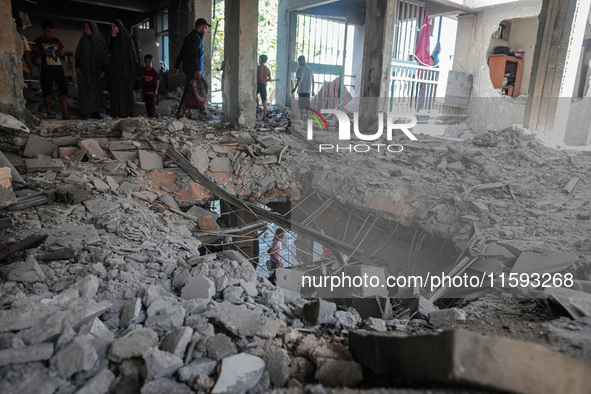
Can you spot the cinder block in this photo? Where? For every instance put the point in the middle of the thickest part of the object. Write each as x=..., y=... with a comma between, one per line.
x=465, y=358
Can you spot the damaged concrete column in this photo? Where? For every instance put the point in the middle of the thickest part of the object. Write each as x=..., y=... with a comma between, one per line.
x=557, y=53
x=380, y=20
x=240, y=62
x=182, y=15
x=11, y=75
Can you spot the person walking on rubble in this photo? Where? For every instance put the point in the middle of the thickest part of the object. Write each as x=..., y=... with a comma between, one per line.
x=51, y=51
x=191, y=56
x=275, y=249
x=91, y=64
x=123, y=71
x=304, y=86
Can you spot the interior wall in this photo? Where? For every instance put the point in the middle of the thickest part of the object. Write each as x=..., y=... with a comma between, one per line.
x=489, y=111
x=523, y=36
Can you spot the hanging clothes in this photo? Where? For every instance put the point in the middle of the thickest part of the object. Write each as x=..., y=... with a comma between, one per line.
x=423, y=49
x=123, y=71
x=92, y=59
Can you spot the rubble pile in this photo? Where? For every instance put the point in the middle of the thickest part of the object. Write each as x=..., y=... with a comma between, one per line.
x=103, y=288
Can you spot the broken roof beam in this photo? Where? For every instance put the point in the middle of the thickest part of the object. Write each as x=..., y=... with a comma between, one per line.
x=261, y=213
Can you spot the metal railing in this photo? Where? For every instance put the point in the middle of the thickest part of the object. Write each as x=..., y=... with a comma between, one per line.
x=412, y=87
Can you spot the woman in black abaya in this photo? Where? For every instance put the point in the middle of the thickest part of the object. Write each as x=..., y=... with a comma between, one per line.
x=91, y=62
x=123, y=71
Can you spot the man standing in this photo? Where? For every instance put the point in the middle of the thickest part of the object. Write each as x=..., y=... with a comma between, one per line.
x=51, y=51
x=304, y=85
x=263, y=77
x=191, y=56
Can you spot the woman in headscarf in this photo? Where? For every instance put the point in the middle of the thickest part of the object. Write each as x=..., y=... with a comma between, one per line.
x=91, y=62
x=123, y=71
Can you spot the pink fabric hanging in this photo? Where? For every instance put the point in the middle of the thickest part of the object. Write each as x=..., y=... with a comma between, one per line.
x=423, y=49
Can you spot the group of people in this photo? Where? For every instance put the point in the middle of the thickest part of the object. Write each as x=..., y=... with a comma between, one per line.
x=96, y=63
x=117, y=63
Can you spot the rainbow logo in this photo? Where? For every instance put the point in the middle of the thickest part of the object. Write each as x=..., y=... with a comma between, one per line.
x=316, y=118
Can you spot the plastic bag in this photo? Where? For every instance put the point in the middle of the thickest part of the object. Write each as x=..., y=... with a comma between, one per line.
x=196, y=97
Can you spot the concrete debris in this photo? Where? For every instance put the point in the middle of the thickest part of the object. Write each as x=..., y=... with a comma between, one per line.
x=77, y=356
x=198, y=286
x=27, y=271
x=201, y=366
x=446, y=317
x=531, y=262
x=93, y=149
x=150, y=161
x=470, y=359
x=167, y=386
x=99, y=383
x=375, y=324
x=277, y=361
x=39, y=146
x=160, y=364
x=131, y=312
x=348, y=319
x=421, y=307
x=243, y=322
x=320, y=312
x=176, y=341
x=40, y=352
x=219, y=347
x=133, y=344
x=239, y=374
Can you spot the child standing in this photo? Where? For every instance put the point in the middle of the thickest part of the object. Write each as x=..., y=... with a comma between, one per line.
x=150, y=82
x=263, y=76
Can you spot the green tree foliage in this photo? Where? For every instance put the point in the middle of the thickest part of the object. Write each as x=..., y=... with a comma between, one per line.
x=267, y=37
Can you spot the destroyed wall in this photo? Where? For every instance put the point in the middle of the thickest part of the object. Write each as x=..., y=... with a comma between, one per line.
x=11, y=78
x=488, y=110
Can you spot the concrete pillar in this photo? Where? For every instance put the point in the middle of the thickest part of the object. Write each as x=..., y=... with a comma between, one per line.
x=556, y=57
x=182, y=15
x=11, y=75
x=380, y=17
x=240, y=62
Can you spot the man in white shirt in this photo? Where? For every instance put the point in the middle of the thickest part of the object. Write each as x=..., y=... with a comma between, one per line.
x=304, y=86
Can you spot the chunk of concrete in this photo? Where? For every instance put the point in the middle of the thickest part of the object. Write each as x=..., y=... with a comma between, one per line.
x=150, y=161
x=39, y=146
x=166, y=319
x=40, y=352
x=530, y=262
x=198, y=286
x=446, y=317
x=131, y=312
x=470, y=359
x=93, y=148
x=320, y=312
x=133, y=344
x=199, y=213
x=160, y=364
x=199, y=159
x=99, y=383
x=27, y=271
x=239, y=374
x=176, y=341
x=79, y=355
x=219, y=347
x=165, y=386
x=201, y=366
x=26, y=378
x=220, y=164
x=277, y=362
x=207, y=223
x=243, y=322
x=420, y=308
x=7, y=195
x=375, y=324
x=339, y=373
x=348, y=319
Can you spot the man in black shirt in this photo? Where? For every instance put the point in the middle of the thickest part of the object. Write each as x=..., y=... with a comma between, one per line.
x=191, y=57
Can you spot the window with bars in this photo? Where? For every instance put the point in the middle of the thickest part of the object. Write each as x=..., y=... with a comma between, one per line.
x=161, y=23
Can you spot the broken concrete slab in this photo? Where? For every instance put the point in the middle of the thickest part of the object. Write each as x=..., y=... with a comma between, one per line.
x=133, y=344
x=320, y=312
x=201, y=366
x=420, y=308
x=239, y=374
x=124, y=156
x=27, y=271
x=92, y=147
x=176, y=341
x=530, y=262
x=348, y=319
x=40, y=352
x=199, y=212
x=131, y=312
x=199, y=159
x=165, y=386
x=375, y=324
x=207, y=223
x=219, y=347
x=99, y=207
x=495, y=249
x=39, y=146
x=198, y=286
x=160, y=364
x=66, y=140
x=169, y=201
x=277, y=361
x=576, y=303
x=79, y=355
x=446, y=317
x=25, y=379
x=339, y=373
x=150, y=161
x=470, y=359
x=166, y=319
x=243, y=322
x=220, y=164
x=7, y=195
x=44, y=163
x=99, y=383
